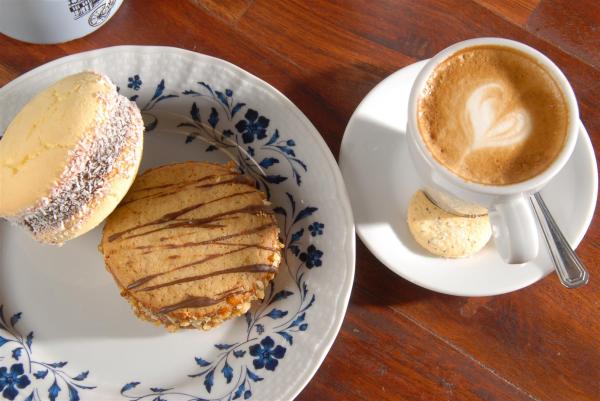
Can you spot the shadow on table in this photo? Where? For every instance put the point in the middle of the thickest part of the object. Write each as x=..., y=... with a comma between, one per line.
x=383, y=285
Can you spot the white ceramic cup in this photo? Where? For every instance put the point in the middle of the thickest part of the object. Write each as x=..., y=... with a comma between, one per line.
x=513, y=224
x=54, y=21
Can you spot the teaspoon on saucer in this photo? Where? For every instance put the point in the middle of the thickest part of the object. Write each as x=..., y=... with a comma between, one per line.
x=571, y=272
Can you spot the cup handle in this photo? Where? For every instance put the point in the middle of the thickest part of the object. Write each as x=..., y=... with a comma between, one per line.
x=514, y=228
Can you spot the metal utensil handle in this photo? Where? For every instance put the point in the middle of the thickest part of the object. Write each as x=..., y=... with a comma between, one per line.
x=571, y=272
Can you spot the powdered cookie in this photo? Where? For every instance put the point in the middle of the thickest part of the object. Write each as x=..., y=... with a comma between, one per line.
x=445, y=234
x=192, y=244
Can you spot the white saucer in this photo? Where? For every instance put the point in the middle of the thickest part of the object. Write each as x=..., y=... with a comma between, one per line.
x=380, y=180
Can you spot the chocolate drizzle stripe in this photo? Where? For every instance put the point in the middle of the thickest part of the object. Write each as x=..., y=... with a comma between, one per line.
x=205, y=222
x=173, y=189
x=255, y=268
x=178, y=184
x=187, y=223
x=144, y=280
x=173, y=215
x=266, y=248
x=197, y=302
x=210, y=241
x=237, y=179
x=243, y=247
x=228, y=291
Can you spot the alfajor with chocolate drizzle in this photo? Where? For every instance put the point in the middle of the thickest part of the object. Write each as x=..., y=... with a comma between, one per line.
x=69, y=157
x=192, y=244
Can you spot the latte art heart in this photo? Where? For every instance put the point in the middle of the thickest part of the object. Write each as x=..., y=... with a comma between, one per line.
x=491, y=124
x=492, y=115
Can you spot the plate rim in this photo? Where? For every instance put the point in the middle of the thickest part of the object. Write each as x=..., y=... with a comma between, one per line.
x=589, y=215
x=342, y=200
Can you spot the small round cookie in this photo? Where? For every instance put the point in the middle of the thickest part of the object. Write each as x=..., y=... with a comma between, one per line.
x=192, y=244
x=445, y=234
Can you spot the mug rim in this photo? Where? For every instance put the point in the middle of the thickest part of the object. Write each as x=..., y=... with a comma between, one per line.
x=532, y=184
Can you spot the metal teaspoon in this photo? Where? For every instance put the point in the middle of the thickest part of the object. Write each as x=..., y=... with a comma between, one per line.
x=571, y=272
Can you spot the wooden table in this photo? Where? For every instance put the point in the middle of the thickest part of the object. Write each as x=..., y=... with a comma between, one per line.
x=399, y=341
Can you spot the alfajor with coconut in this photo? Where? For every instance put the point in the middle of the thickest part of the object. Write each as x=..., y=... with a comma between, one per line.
x=69, y=157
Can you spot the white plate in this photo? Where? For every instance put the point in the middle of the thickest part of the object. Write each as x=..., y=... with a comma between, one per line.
x=69, y=303
x=380, y=179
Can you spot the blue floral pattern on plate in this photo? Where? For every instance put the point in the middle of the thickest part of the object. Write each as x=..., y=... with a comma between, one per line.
x=20, y=374
x=241, y=132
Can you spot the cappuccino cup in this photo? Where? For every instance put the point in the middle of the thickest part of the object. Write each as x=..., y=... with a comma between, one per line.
x=491, y=121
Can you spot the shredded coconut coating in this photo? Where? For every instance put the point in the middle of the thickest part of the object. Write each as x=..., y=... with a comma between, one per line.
x=109, y=150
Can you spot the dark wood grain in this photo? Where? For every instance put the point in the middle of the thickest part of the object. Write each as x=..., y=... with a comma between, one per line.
x=516, y=11
x=229, y=11
x=399, y=341
x=571, y=25
x=339, y=63
x=521, y=336
x=385, y=355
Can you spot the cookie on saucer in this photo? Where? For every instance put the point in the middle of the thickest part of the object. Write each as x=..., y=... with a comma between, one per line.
x=192, y=245
x=445, y=234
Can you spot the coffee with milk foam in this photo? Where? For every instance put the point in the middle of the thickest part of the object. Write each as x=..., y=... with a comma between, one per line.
x=493, y=115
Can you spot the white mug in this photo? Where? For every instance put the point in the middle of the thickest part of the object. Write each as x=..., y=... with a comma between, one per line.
x=513, y=224
x=54, y=21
